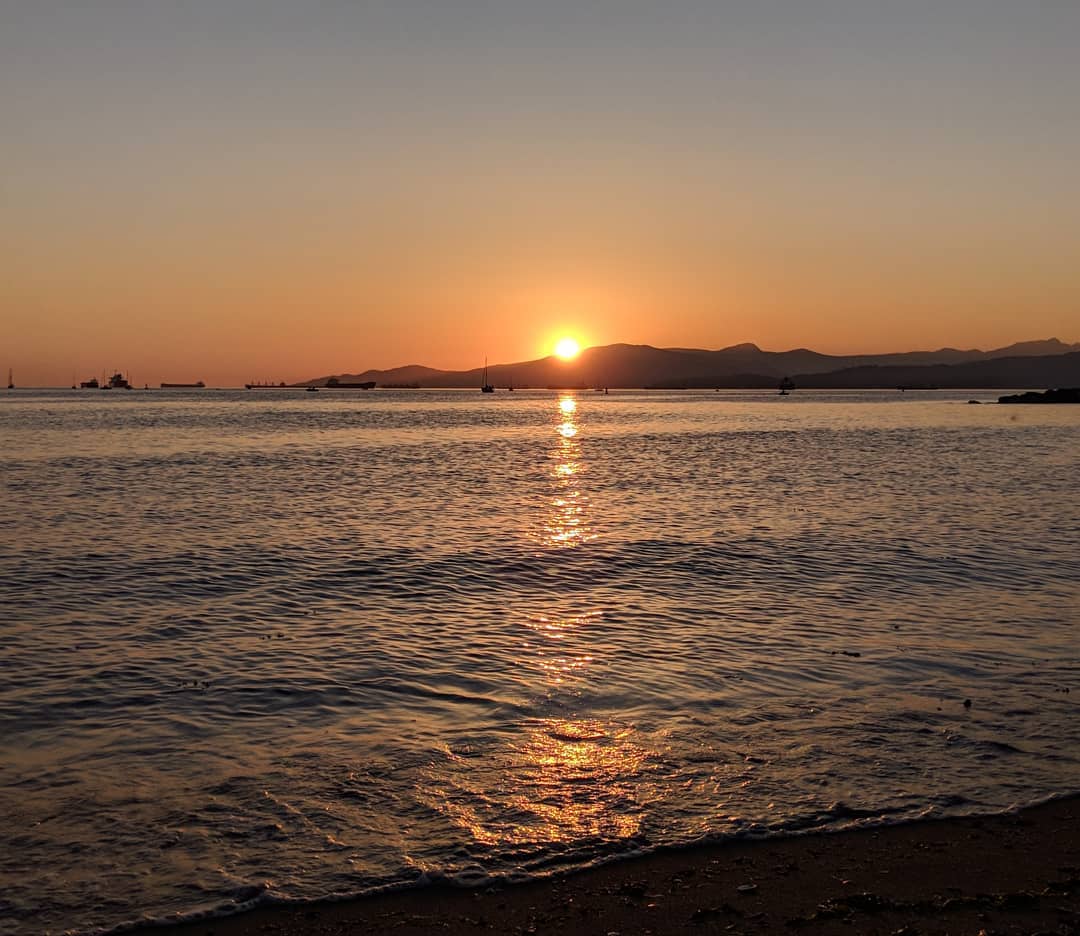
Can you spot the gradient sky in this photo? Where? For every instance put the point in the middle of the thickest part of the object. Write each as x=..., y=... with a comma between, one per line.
x=233, y=190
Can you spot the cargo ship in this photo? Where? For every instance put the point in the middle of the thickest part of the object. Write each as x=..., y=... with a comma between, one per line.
x=334, y=384
x=183, y=386
x=117, y=382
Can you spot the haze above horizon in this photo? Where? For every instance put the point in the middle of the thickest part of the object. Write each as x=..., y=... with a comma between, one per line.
x=236, y=190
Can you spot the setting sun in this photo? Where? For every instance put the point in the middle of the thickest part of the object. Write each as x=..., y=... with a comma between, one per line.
x=567, y=348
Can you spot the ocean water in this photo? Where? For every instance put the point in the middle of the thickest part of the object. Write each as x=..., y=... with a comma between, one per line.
x=280, y=646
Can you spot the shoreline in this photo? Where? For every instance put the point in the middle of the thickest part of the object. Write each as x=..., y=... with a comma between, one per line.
x=1007, y=873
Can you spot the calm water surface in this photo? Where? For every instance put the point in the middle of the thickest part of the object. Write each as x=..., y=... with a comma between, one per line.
x=269, y=645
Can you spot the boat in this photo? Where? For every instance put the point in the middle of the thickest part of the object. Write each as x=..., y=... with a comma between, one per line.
x=312, y=389
x=334, y=384
x=181, y=386
x=91, y=384
x=254, y=385
x=10, y=380
x=486, y=386
x=786, y=386
x=117, y=382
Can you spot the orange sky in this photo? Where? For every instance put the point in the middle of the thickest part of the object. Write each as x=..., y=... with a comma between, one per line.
x=195, y=194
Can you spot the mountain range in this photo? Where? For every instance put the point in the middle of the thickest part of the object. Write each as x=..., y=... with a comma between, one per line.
x=1028, y=364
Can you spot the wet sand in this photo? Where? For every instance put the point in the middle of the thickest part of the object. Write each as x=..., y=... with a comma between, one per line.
x=1003, y=874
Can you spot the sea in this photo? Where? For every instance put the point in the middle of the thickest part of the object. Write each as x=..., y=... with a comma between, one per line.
x=269, y=646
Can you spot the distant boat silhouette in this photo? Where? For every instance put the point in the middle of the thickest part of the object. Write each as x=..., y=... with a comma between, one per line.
x=117, y=382
x=91, y=384
x=10, y=380
x=334, y=384
x=786, y=386
x=485, y=386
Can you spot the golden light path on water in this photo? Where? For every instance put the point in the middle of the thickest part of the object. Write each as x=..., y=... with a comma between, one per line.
x=567, y=523
x=571, y=777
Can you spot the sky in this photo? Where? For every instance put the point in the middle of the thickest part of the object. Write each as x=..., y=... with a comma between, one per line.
x=231, y=190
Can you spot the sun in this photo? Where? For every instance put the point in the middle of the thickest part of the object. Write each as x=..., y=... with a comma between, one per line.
x=567, y=348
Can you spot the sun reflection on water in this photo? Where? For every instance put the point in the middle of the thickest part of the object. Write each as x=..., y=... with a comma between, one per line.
x=559, y=654
x=567, y=775
x=567, y=780
x=567, y=523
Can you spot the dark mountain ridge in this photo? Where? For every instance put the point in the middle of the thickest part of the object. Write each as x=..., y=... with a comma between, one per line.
x=1024, y=364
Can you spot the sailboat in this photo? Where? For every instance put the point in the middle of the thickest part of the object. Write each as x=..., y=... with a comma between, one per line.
x=10, y=380
x=486, y=387
x=786, y=386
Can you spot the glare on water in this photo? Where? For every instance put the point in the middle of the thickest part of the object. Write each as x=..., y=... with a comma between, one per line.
x=568, y=522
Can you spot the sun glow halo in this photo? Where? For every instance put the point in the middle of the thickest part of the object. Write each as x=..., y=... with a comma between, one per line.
x=567, y=348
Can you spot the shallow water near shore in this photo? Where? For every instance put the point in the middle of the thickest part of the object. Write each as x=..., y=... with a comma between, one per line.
x=286, y=645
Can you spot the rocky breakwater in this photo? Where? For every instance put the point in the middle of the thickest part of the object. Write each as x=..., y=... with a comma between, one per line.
x=1070, y=395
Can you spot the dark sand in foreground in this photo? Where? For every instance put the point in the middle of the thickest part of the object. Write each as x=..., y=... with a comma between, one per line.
x=1003, y=874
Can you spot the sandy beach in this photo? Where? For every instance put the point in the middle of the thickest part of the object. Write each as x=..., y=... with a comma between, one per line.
x=1004, y=874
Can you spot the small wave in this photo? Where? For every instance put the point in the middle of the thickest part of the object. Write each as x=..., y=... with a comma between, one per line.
x=250, y=897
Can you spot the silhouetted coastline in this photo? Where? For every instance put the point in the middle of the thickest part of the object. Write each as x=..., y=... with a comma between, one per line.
x=1068, y=395
x=1038, y=364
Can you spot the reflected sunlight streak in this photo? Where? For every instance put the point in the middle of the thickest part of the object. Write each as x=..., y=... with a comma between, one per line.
x=568, y=778
x=555, y=660
x=568, y=781
x=567, y=522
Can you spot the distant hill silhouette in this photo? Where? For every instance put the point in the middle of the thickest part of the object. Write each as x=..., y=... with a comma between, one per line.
x=1036, y=364
x=1020, y=372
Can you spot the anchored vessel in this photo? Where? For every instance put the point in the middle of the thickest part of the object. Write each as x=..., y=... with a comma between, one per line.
x=117, y=382
x=334, y=384
x=173, y=386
